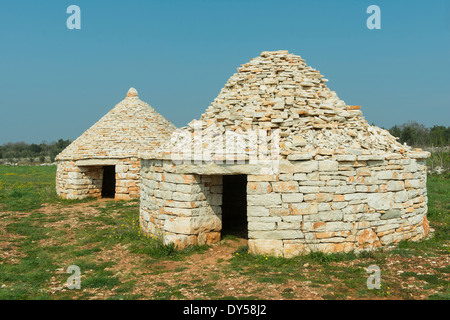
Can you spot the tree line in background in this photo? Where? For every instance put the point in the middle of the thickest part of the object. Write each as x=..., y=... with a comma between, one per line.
x=417, y=135
x=43, y=152
x=435, y=139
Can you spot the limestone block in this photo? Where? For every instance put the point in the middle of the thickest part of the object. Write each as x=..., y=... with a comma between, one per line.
x=328, y=165
x=415, y=183
x=336, y=247
x=391, y=214
x=256, y=225
x=205, y=223
x=395, y=185
x=276, y=234
x=268, y=200
x=292, y=197
x=208, y=238
x=323, y=206
x=122, y=197
x=318, y=197
x=162, y=194
x=187, y=188
x=380, y=201
x=292, y=249
x=355, y=196
x=286, y=176
x=346, y=157
x=384, y=175
x=193, y=225
x=168, y=186
x=265, y=246
x=294, y=225
x=401, y=196
x=121, y=168
x=334, y=215
x=269, y=177
x=180, y=241
x=299, y=176
x=258, y=187
x=285, y=186
x=74, y=175
x=308, y=189
x=297, y=166
x=303, y=208
x=257, y=211
x=179, y=196
x=345, y=189
x=335, y=226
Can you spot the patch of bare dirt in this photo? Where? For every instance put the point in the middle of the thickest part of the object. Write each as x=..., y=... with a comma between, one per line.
x=203, y=275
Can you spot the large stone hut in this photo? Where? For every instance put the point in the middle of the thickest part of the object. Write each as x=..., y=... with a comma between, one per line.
x=279, y=158
x=103, y=161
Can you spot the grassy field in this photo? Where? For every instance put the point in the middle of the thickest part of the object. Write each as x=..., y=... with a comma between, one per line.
x=41, y=236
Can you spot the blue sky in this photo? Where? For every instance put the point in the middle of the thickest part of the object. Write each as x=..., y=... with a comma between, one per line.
x=55, y=82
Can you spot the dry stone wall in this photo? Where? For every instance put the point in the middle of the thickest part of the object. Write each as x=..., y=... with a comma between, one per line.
x=77, y=182
x=132, y=126
x=340, y=184
x=343, y=204
x=73, y=182
x=335, y=204
x=184, y=209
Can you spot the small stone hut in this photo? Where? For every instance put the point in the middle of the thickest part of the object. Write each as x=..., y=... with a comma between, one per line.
x=103, y=161
x=325, y=180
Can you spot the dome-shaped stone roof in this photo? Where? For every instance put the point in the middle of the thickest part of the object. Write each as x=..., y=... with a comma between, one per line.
x=130, y=127
x=278, y=91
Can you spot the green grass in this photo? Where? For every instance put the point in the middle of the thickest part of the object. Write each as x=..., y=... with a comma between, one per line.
x=322, y=268
x=25, y=188
x=25, y=279
x=43, y=249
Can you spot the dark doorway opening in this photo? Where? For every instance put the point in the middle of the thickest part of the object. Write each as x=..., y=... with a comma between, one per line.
x=109, y=182
x=234, y=206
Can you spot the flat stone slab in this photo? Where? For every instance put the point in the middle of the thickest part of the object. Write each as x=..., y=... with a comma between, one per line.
x=97, y=162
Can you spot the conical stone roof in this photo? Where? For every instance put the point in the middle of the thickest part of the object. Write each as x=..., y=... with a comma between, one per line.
x=130, y=127
x=278, y=91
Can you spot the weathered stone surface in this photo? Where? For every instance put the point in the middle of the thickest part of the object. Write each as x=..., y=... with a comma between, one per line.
x=265, y=246
x=395, y=185
x=132, y=126
x=257, y=211
x=285, y=186
x=258, y=187
x=368, y=239
x=391, y=214
x=337, y=184
x=276, y=234
x=379, y=201
x=292, y=197
x=328, y=165
x=268, y=200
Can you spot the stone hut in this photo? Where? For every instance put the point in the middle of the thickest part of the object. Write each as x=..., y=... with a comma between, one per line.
x=306, y=172
x=103, y=161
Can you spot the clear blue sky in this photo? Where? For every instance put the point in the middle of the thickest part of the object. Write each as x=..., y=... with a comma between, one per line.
x=55, y=82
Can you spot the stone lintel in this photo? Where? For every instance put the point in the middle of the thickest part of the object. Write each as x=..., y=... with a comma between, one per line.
x=97, y=162
x=222, y=169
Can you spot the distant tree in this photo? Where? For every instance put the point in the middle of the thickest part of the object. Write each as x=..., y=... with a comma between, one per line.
x=438, y=135
x=53, y=155
x=35, y=148
x=22, y=150
x=396, y=131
